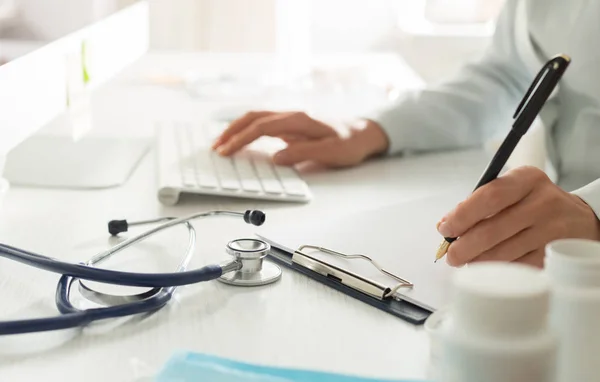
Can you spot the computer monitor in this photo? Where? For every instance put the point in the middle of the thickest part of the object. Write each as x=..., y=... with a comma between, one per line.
x=49, y=88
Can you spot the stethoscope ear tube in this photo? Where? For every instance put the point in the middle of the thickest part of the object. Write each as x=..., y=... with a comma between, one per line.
x=117, y=226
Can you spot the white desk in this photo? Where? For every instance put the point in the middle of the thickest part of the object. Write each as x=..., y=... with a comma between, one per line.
x=295, y=322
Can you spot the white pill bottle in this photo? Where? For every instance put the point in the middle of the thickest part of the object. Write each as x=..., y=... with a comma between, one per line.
x=497, y=328
x=573, y=266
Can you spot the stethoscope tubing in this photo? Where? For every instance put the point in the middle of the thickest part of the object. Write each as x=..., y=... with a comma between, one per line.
x=72, y=317
x=80, y=271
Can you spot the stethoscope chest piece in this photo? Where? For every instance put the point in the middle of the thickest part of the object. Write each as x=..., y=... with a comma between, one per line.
x=254, y=271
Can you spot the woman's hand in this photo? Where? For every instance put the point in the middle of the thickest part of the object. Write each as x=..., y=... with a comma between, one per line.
x=307, y=139
x=512, y=219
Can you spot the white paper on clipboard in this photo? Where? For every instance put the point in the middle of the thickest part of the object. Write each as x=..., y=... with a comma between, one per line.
x=401, y=238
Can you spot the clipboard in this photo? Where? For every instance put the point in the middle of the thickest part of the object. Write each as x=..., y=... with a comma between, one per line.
x=379, y=267
x=352, y=285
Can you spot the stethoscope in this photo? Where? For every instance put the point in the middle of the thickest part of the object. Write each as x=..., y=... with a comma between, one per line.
x=247, y=268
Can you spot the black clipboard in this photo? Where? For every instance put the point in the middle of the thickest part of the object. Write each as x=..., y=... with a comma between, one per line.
x=395, y=306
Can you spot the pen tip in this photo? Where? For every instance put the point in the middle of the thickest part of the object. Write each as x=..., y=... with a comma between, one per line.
x=442, y=250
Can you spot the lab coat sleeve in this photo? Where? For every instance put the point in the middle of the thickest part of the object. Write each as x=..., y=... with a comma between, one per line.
x=590, y=193
x=468, y=108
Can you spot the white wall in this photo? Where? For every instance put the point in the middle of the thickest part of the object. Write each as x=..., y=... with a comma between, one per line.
x=251, y=25
x=352, y=25
x=269, y=26
x=214, y=25
x=50, y=19
x=174, y=24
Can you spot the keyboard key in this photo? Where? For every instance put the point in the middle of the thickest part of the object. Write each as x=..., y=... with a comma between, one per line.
x=188, y=173
x=204, y=165
x=189, y=179
x=267, y=177
x=197, y=139
x=246, y=173
x=185, y=147
x=292, y=184
x=207, y=178
x=213, y=130
x=226, y=172
x=188, y=167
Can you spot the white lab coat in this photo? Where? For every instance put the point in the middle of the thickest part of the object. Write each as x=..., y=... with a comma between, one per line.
x=478, y=103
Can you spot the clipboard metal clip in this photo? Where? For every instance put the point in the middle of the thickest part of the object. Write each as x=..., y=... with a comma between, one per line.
x=346, y=277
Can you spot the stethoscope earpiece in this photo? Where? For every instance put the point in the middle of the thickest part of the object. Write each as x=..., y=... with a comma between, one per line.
x=254, y=217
x=115, y=227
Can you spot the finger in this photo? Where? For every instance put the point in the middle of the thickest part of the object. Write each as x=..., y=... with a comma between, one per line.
x=240, y=138
x=492, y=231
x=296, y=124
x=239, y=125
x=326, y=151
x=528, y=240
x=292, y=138
x=488, y=200
x=517, y=246
x=533, y=258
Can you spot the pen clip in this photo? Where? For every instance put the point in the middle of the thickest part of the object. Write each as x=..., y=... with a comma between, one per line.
x=553, y=64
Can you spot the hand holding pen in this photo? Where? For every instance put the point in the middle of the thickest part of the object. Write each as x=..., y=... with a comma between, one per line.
x=511, y=218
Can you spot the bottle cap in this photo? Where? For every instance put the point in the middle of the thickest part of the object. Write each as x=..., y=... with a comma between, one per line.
x=574, y=262
x=500, y=299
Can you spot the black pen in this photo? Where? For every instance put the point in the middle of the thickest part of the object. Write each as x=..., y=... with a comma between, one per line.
x=533, y=101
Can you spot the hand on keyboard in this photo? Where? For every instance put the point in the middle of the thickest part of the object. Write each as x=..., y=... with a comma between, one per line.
x=308, y=139
x=187, y=164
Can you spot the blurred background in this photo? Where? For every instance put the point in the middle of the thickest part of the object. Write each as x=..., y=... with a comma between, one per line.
x=433, y=36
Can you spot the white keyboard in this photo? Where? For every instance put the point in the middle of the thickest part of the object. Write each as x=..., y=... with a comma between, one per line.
x=186, y=163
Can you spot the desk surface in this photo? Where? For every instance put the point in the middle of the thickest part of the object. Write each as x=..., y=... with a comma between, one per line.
x=295, y=322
